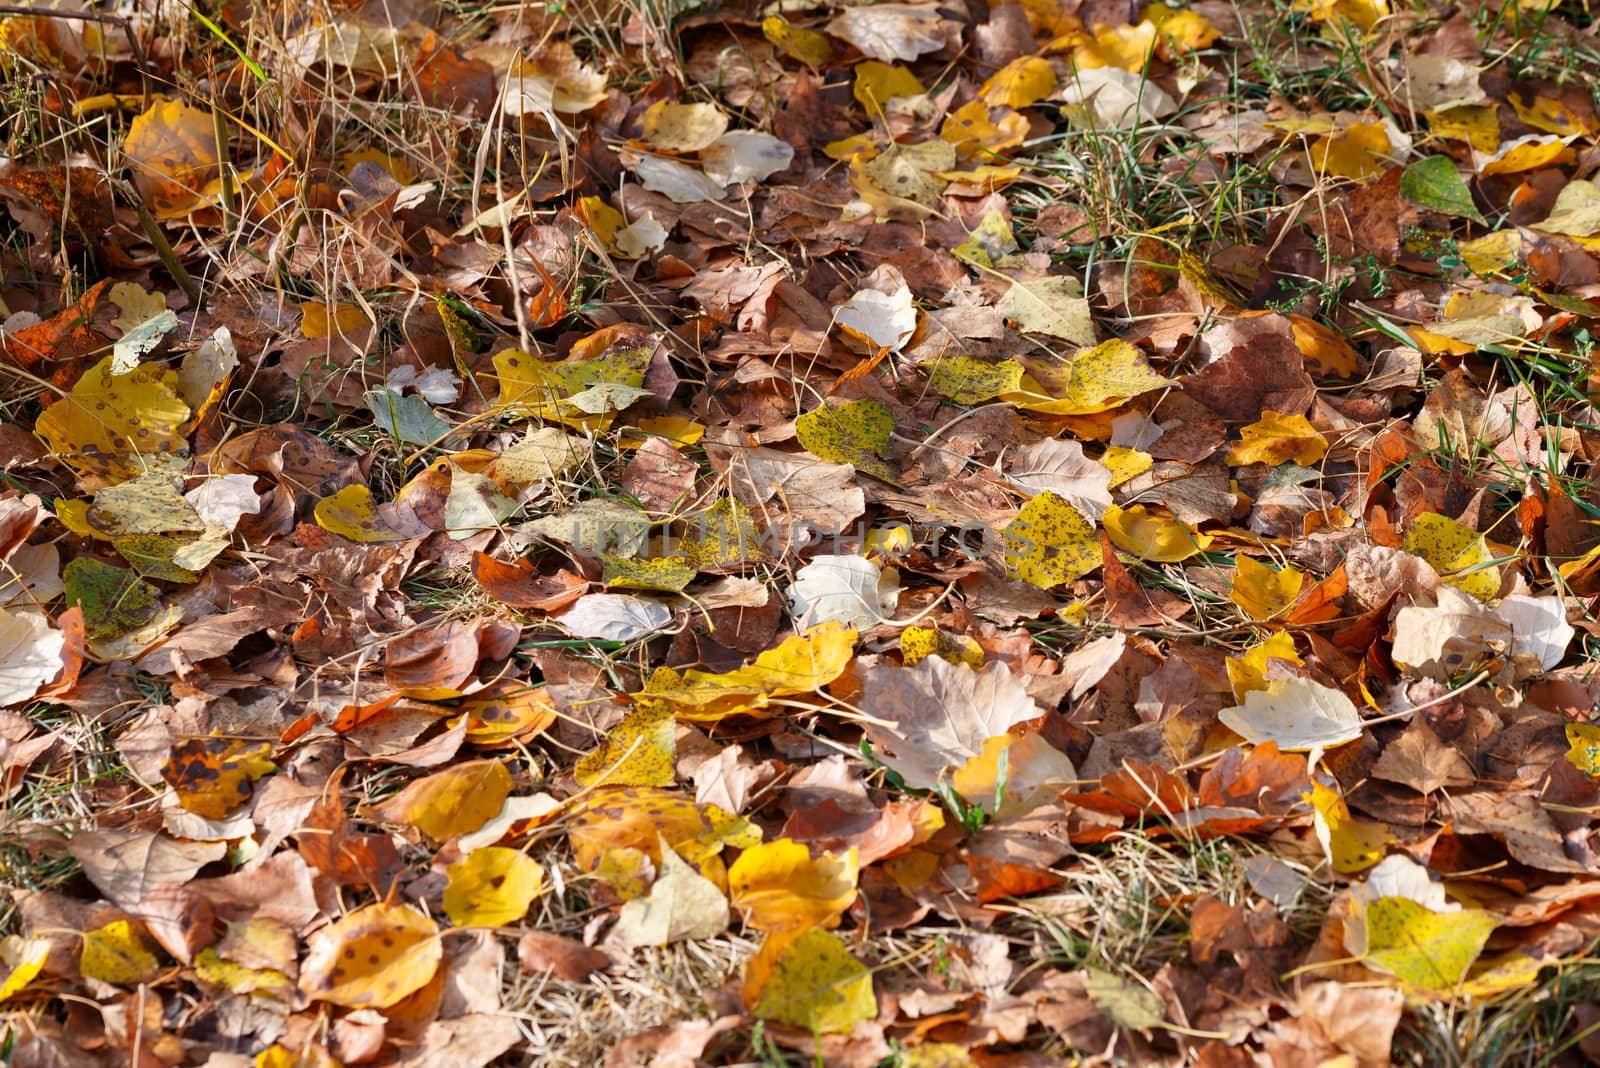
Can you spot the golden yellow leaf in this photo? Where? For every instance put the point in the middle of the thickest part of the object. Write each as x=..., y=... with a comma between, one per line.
x=877, y=83
x=1050, y=543
x=1181, y=31
x=1525, y=154
x=780, y=886
x=1019, y=84
x=1352, y=845
x=1363, y=14
x=114, y=427
x=1277, y=438
x=1125, y=464
x=919, y=643
x=371, y=958
x=1583, y=748
x=497, y=720
x=1360, y=152
x=491, y=887
x=1327, y=353
x=1263, y=592
x=1460, y=554
x=809, y=981
x=799, y=43
x=1150, y=536
x=173, y=150
x=1494, y=253
x=337, y=320
x=25, y=958
x=1248, y=670
x=1476, y=124
x=1550, y=115
x=1127, y=47
x=802, y=663
x=631, y=817
x=352, y=513
x=976, y=127
x=457, y=800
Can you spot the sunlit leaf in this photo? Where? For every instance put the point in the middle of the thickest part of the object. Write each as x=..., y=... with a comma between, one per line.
x=371, y=958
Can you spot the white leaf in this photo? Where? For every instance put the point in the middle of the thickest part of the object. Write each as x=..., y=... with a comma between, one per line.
x=475, y=503
x=30, y=655
x=850, y=589
x=1117, y=99
x=1296, y=713
x=203, y=368
x=221, y=500
x=1539, y=626
x=132, y=346
x=887, y=320
x=942, y=714
x=614, y=617
x=745, y=156
x=1062, y=468
x=1441, y=640
x=890, y=32
x=678, y=182
x=639, y=238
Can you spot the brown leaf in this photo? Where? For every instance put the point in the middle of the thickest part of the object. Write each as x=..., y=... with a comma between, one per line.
x=566, y=958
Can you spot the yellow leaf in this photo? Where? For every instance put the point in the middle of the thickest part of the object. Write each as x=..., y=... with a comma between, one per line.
x=1128, y=47
x=603, y=220
x=975, y=127
x=1509, y=971
x=1425, y=950
x=545, y=389
x=848, y=148
x=1476, y=124
x=1460, y=554
x=682, y=127
x=1358, y=152
x=352, y=513
x=372, y=958
x=1013, y=773
x=1525, y=154
x=780, y=887
x=1094, y=380
x=213, y=969
x=455, y=801
x=115, y=426
x=639, y=751
x=631, y=817
x=1248, y=670
x=173, y=150
x=674, y=428
x=116, y=954
x=919, y=643
x=1550, y=115
x=309, y=1056
x=1364, y=14
x=1125, y=464
x=1019, y=84
x=214, y=776
x=1583, y=752
x=971, y=380
x=807, y=46
x=1181, y=31
x=495, y=721
x=1263, y=592
x=339, y=320
x=809, y=981
x=877, y=83
x=991, y=245
x=669, y=573
x=1327, y=354
x=802, y=663
x=1352, y=845
x=1277, y=438
x=25, y=957
x=1050, y=543
x=1148, y=536
x=1494, y=253
x=492, y=887
x=1054, y=305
